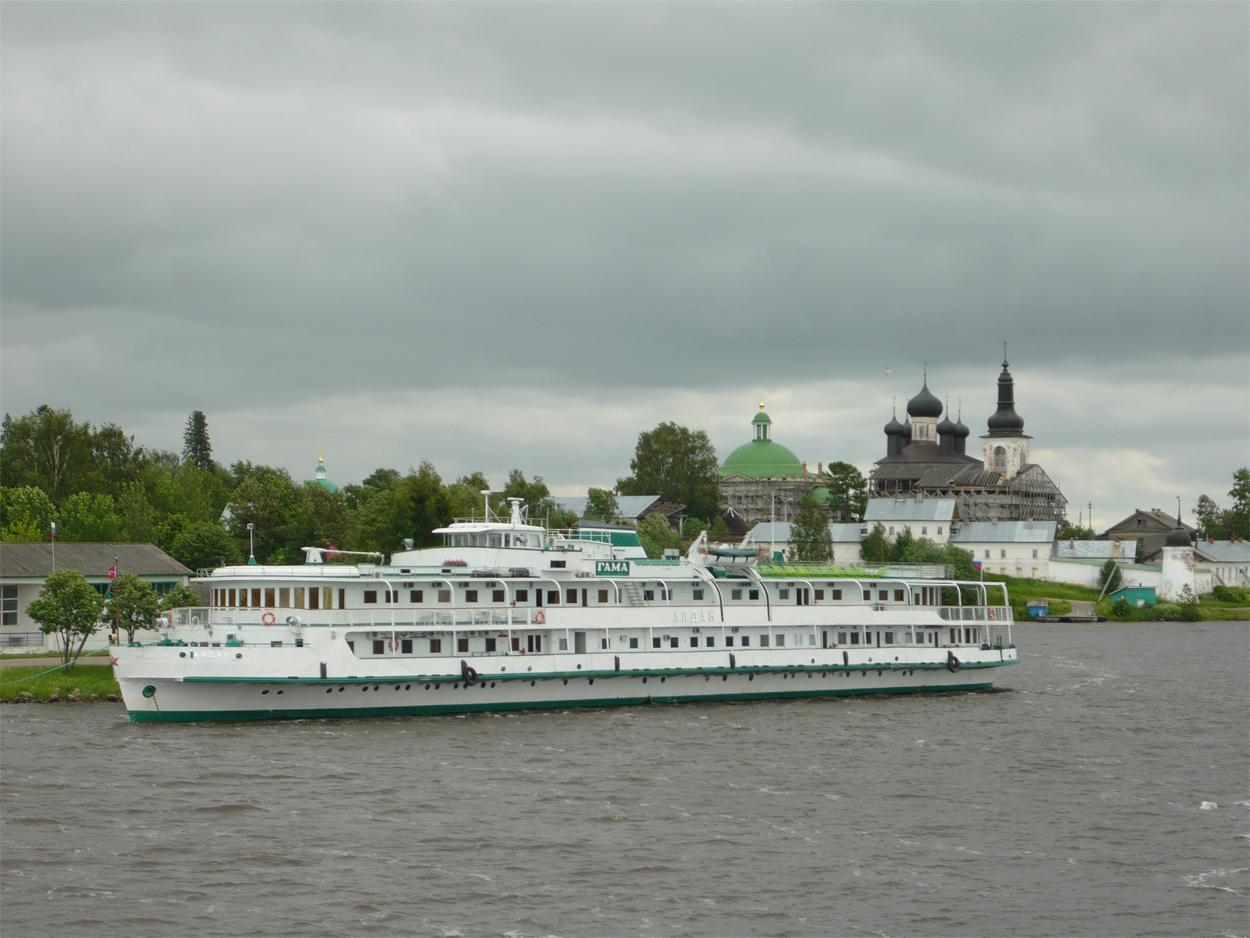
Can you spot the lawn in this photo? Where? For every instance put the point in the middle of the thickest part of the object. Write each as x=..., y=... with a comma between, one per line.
x=86, y=679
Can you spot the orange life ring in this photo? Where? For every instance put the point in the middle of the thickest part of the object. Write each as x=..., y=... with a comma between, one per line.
x=268, y=618
x=540, y=617
x=992, y=614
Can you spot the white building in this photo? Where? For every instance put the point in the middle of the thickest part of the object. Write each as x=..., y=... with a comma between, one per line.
x=1228, y=562
x=775, y=536
x=1011, y=548
x=925, y=517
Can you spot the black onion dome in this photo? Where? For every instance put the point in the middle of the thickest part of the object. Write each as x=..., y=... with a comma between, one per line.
x=1005, y=421
x=907, y=429
x=924, y=404
x=1177, y=537
x=894, y=428
x=946, y=428
x=961, y=431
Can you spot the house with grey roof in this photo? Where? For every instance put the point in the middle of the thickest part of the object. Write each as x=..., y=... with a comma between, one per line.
x=925, y=517
x=1011, y=548
x=633, y=508
x=1228, y=562
x=25, y=566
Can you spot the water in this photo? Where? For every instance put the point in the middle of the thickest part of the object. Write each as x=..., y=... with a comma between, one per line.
x=1106, y=792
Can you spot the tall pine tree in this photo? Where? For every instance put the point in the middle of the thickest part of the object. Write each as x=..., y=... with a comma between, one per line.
x=197, y=451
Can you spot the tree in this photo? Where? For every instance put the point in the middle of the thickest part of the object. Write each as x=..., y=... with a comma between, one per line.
x=875, y=548
x=720, y=530
x=1237, y=519
x=26, y=514
x=69, y=608
x=87, y=517
x=678, y=465
x=46, y=449
x=1110, y=578
x=657, y=535
x=132, y=604
x=181, y=597
x=848, y=491
x=197, y=451
x=267, y=498
x=810, y=539
x=136, y=516
x=601, y=505
x=1072, y=532
x=205, y=545
x=535, y=493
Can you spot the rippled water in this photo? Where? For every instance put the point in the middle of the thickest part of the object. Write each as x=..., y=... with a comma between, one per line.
x=1106, y=791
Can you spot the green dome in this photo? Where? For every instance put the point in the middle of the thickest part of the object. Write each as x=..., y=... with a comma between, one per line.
x=762, y=459
x=820, y=494
x=321, y=479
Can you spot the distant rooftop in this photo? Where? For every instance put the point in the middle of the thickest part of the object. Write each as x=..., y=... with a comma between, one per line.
x=909, y=509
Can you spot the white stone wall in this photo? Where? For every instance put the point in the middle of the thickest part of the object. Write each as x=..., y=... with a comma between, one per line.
x=1019, y=559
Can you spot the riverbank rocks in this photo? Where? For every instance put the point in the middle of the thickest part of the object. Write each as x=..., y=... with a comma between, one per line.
x=26, y=696
x=112, y=698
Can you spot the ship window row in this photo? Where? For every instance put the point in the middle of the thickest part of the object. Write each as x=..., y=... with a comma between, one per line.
x=494, y=539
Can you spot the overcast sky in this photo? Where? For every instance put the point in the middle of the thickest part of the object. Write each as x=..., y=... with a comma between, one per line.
x=499, y=236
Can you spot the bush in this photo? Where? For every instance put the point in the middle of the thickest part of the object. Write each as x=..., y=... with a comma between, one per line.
x=1120, y=609
x=1190, y=612
x=1226, y=594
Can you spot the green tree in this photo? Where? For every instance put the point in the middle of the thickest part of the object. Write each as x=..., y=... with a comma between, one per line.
x=848, y=491
x=197, y=451
x=678, y=465
x=1110, y=577
x=26, y=514
x=657, y=535
x=1237, y=519
x=410, y=508
x=181, y=597
x=1072, y=532
x=810, y=539
x=87, y=517
x=534, y=493
x=205, y=545
x=720, y=530
x=875, y=548
x=267, y=498
x=135, y=514
x=691, y=529
x=68, y=607
x=601, y=506
x=46, y=449
x=132, y=604
x=465, y=496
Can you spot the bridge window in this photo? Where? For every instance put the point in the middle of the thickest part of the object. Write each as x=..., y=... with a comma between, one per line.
x=436, y=646
x=753, y=594
x=603, y=596
x=733, y=594
x=416, y=596
x=470, y=596
x=522, y=596
x=444, y=596
x=497, y=596
x=371, y=596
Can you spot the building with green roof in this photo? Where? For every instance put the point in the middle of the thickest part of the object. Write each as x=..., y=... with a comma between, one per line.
x=762, y=480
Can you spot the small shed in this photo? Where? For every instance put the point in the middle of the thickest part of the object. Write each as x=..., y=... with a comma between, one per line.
x=1039, y=607
x=1135, y=595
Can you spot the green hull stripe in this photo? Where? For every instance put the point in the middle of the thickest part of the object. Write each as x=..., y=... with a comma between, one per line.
x=561, y=675
x=194, y=716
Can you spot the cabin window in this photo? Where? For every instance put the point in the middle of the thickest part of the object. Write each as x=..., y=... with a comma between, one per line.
x=633, y=643
x=379, y=646
x=314, y=598
x=516, y=643
x=462, y=646
x=490, y=645
x=954, y=635
x=351, y=646
x=496, y=540
x=534, y=642
x=711, y=641
x=564, y=644
x=783, y=594
x=867, y=595
x=522, y=596
x=557, y=564
x=836, y=594
x=729, y=641
x=284, y=598
x=256, y=598
x=672, y=642
x=811, y=639
x=854, y=638
x=570, y=597
x=753, y=594
x=820, y=594
x=648, y=595
x=603, y=643
x=405, y=646
x=655, y=642
x=898, y=596
x=781, y=641
x=733, y=594
x=889, y=638
x=470, y=596
x=694, y=641
x=841, y=638
x=230, y=598
x=436, y=646
x=371, y=596
x=603, y=596
x=298, y=593
x=444, y=596
x=416, y=596
x=698, y=594
x=269, y=598
x=342, y=599
x=763, y=641
x=497, y=596
x=746, y=640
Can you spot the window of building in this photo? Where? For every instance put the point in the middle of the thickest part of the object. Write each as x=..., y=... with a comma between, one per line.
x=462, y=646
x=753, y=594
x=733, y=594
x=371, y=596
x=444, y=596
x=987, y=555
x=711, y=641
x=891, y=530
x=416, y=596
x=898, y=596
x=379, y=646
x=633, y=643
x=781, y=641
x=924, y=531
x=571, y=597
x=655, y=641
x=603, y=597
x=1002, y=554
x=1034, y=553
x=698, y=594
x=648, y=595
x=497, y=596
x=436, y=646
x=9, y=605
x=939, y=530
x=490, y=645
x=470, y=596
x=522, y=596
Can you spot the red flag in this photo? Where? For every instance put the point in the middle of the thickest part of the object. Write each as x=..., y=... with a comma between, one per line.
x=112, y=573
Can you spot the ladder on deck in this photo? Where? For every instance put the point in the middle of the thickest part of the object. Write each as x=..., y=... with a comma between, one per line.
x=633, y=593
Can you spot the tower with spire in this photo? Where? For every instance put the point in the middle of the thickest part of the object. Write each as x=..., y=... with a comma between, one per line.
x=1006, y=444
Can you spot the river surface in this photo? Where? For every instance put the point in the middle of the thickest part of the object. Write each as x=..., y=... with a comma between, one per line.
x=1104, y=791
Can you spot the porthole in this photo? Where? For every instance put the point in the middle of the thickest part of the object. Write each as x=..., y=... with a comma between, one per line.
x=341, y=689
x=407, y=687
x=365, y=689
x=264, y=692
x=644, y=680
x=566, y=680
x=532, y=683
x=751, y=677
x=579, y=667
x=238, y=654
x=455, y=686
x=427, y=686
x=281, y=692
x=590, y=680
x=329, y=690
x=375, y=687
x=492, y=683
x=182, y=654
x=663, y=679
x=724, y=677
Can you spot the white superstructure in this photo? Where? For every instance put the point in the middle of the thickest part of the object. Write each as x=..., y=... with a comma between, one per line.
x=508, y=615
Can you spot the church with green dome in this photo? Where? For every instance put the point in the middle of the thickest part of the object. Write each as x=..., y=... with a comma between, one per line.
x=321, y=479
x=762, y=480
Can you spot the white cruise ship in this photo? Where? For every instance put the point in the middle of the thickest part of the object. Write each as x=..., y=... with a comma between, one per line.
x=507, y=615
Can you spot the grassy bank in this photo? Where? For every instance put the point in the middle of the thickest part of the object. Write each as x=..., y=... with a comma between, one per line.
x=86, y=680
